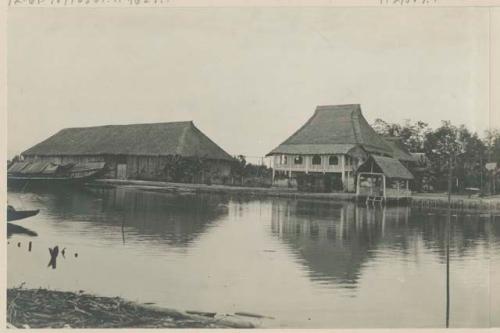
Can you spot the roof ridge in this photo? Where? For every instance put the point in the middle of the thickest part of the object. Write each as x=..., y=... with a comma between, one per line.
x=355, y=123
x=336, y=106
x=132, y=124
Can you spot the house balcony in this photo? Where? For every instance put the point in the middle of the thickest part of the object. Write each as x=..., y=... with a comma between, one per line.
x=308, y=166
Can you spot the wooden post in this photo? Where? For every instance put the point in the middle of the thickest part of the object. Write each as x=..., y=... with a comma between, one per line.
x=357, y=184
x=383, y=184
x=306, y=161
x=273, y=166
x=342, y=164
x=449, y=181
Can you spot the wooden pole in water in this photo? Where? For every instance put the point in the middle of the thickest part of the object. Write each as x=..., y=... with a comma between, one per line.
x=448, y=226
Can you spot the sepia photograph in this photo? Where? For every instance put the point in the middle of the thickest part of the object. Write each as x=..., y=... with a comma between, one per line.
x=175, y=164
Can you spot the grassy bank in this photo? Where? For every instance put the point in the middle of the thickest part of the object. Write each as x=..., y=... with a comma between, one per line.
x=42, y=308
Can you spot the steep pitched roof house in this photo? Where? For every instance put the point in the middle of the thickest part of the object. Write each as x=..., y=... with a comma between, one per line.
x=324, y=154
x=334, y=129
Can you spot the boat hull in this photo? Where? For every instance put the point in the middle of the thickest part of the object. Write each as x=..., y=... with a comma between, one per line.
x=23, y=182
x=14, y=215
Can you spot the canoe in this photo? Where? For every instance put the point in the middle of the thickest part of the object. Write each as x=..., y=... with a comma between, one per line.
x=13, y=214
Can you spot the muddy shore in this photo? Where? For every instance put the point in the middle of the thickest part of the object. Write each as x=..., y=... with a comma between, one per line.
x=42, y=308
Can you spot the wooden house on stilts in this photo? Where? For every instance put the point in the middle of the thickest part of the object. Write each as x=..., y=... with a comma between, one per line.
x=328, y=151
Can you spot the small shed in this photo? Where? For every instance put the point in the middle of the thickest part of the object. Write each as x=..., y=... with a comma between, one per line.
x=383, y=177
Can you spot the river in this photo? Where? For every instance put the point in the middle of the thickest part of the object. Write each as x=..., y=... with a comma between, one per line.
x=307, y=264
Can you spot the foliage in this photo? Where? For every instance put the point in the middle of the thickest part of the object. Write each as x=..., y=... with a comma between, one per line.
x=185, y=169
x=412, y=134
x=250, y=174
x=448, y=146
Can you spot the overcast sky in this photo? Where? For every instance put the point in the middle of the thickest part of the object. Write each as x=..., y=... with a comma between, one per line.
x=247, y=77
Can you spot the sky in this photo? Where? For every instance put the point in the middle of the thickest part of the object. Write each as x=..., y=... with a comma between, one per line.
x=247, y=77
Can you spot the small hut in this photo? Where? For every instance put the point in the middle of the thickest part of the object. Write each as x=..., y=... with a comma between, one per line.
x=383, y=178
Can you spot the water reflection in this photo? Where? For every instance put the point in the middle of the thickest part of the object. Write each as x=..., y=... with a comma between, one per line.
x=171, y=219
x=14, y=229
x=308, y=264
x=334, y=241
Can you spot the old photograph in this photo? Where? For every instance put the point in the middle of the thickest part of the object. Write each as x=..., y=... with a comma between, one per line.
x=252, y=166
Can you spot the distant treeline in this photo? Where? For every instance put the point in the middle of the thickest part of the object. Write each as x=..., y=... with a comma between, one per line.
x=448, y=145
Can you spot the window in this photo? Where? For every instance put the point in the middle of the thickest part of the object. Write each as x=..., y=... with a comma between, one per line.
x=283, y=159
x=348, y=160
x=297, y=160
x=333, y=160
x=316, y=160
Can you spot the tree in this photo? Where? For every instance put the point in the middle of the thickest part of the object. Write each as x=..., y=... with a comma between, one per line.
x=412, y=134
x=470, y=163
x=492, y=143
x=442, y=146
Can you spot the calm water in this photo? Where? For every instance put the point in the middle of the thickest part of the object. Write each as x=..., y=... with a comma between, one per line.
x=307, y=264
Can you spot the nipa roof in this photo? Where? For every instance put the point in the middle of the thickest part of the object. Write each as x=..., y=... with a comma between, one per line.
x=392, y=168
x=159, y=139
x=399, y=150
x=334, y=129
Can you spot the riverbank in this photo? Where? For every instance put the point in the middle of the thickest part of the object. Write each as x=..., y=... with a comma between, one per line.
x=42, y=308
x=182, y=188
x=430, y=200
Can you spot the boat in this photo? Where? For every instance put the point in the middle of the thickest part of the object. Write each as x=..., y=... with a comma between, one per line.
x=14, y=215
x=38, y=173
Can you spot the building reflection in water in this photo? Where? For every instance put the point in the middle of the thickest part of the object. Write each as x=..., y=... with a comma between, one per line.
x=167, y=218
x=334, y=240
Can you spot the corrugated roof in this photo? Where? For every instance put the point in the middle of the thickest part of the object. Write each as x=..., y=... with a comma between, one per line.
x=175, y=138
x=335, y=125
x=35, y=167
x=392, y=168
x=51, y=169
x=399, y=150
x=18, y=166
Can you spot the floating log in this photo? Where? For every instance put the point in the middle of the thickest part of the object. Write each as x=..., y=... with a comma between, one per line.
x=253, y=315
x=202, y=313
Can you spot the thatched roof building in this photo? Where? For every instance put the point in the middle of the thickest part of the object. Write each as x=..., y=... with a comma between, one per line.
x=334, y=129
x=176, y=151
x=159, y=139
x=390, y=167
x=399, y=150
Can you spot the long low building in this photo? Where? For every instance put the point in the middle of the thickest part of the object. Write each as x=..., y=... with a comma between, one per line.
x=175, y=151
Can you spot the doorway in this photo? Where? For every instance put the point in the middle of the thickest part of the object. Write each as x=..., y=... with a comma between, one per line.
x=121, y=171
